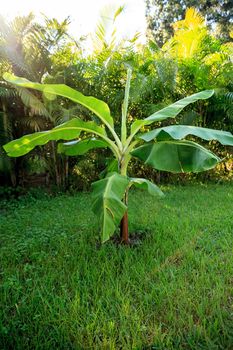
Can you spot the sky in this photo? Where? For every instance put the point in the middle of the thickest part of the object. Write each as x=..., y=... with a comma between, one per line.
x=84, y=14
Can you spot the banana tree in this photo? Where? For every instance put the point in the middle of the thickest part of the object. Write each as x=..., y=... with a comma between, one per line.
x=164, y=148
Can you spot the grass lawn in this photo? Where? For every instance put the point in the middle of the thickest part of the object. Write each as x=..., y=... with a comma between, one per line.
x=61, y=290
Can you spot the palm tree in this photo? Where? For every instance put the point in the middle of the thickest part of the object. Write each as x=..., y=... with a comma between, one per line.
x=26, y=49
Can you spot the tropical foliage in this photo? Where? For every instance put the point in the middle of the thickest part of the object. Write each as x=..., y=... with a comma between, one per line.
x=165, y=148
x=194, y=59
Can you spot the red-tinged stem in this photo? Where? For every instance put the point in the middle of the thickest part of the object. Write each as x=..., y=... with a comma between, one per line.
x=124, y=227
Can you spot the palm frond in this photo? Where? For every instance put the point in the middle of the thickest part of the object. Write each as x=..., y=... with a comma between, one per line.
x=189, y=35
x=33, y=103
x=32, y=123
x=193, y=20
x=6, y=92
x=105, y=36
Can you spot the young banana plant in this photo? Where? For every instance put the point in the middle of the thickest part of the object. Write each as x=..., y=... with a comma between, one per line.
x=164, y=148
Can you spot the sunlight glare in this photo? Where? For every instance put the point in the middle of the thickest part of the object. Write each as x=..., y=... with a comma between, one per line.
x=83, y=14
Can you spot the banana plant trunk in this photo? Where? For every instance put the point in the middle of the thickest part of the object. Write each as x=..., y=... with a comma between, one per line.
x=124, y=225
x=124, y=229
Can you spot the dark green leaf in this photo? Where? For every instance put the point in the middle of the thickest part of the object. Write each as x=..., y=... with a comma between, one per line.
x=179, y=132
x=145, y=184
x=108, y=194
x=80, y=147
x=176, y=156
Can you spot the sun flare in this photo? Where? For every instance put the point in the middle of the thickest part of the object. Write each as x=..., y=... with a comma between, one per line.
x=83, y=21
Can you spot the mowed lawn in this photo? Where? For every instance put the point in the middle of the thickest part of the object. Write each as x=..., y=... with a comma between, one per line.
x=60, y=289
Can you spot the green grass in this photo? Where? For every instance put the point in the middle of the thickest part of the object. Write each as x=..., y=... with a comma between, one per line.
x=61, y=290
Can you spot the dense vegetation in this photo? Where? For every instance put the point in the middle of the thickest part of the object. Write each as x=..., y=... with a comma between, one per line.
x=193, y=59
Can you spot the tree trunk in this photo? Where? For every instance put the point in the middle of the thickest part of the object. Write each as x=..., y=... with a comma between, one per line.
x=66, y=171
x=56, y=165
x=10, y=161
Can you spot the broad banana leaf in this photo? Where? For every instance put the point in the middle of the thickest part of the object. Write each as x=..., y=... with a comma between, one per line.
x=67, y=131
x=171, y=111
x=80, y=147
x=145, y=184
x=108, y=194
x=179, y=132
x=100, y=108
x=176, y=156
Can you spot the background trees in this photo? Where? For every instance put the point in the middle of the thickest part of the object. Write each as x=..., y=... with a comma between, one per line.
x=161, y=14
